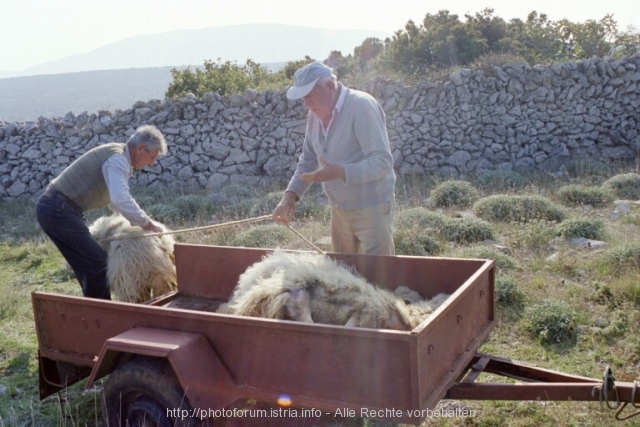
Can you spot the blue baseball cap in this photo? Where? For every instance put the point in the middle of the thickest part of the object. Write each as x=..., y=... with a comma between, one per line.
x=305, y=79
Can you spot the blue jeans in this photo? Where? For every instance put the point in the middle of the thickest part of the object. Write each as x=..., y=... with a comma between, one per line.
x=67, y=228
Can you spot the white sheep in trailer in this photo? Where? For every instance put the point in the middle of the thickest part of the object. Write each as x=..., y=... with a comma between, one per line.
x=314, y=288
x=138, y=268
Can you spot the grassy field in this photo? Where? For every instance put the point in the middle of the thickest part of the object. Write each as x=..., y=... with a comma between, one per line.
x=562, y=302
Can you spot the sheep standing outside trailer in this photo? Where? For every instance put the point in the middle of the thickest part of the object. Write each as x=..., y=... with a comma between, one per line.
x=138, y=268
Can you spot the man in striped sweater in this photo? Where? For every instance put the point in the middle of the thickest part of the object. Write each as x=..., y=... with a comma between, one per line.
x=346, y=148
x=96, y=179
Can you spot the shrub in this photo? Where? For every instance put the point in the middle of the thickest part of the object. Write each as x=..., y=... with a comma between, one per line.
x=500, y=180
x=508, y=293
x=417, y=221
x=581, y=227
x=620, y=259
x=550, y=321
x=454, y=193
x=419, y=243
x=466, y=230
x=164, y=213
x=576, y=195
x=263, y=236
x=265, y=204
x=624, y=186
x=517, y=208
x=310, y=206
x=602, y=294
x=419, y=217
x=416, y=231
x=616, y=326
x=535, y=234
x=502, y=261
x=192, y=206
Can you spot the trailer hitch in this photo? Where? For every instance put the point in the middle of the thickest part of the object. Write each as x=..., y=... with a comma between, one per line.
x=619, y=417
x=608, y=387
x=534, y=383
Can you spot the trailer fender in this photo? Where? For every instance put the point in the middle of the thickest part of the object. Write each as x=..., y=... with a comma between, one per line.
x=202, y=375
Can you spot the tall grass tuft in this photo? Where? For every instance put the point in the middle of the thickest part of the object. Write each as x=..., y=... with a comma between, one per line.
x=418, y=221
x=581, y=227
x=624, y=186
x=503, y=262
x=581, y=195
x=550, y=321
x=506, y=208
x=508, y=294
x=454, y=193
x=620, y=259
x=263, y=236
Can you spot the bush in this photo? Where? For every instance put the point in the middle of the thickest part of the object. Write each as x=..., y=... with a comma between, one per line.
x=265, y=204
x=419, y=217
x=419, y=243
x=500, y=180
x=416, y=231
x=164, y=213
x=624, y=186
x=310, y=206
x=502, y=261
x=550, y=321
x=508, y=293
x=415, y=222
x=263, y=236
x=517, y=208
x=191, y=206
x=581, y=227
x=466, y=230
x=534, y=235
x=576, y=195
x=620, y=259
x=454, y=193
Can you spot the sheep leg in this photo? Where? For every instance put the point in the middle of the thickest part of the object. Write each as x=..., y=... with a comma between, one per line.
x=352, y=322
x=298, y=307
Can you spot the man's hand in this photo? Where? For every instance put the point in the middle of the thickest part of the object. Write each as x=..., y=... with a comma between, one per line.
x=283, y=213
x=154, y=228
x=326, y=172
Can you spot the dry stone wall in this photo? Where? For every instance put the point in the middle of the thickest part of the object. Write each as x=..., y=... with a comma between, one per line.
x=512, y=117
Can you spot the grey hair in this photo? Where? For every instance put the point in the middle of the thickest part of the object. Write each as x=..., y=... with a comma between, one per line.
x=324, y=80
x=151, y=137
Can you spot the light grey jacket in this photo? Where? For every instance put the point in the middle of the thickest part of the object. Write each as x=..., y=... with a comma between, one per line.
x=357, y=139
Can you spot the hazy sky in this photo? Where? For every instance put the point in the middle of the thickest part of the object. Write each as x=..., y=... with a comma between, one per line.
x=33, y=32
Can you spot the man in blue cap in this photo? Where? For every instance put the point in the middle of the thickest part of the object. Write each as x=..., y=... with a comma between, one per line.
x=346, y=148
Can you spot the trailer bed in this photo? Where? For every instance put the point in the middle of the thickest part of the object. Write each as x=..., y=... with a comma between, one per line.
x=318, y=366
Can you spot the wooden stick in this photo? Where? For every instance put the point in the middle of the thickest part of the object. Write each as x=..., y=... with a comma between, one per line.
x=186, y=230
x=308, y=241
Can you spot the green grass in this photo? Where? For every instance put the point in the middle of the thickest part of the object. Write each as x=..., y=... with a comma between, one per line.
x=561, y=307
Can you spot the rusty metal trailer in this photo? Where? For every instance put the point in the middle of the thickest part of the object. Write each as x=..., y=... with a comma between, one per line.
x=176, y=361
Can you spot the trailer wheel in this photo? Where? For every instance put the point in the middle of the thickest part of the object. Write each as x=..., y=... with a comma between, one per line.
x=145, y=392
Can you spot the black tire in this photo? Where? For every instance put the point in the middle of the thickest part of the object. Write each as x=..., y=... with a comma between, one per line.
x=145, y=392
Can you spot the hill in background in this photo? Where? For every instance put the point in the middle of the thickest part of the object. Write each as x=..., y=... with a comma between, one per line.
x=139, y=68
x=27, y=98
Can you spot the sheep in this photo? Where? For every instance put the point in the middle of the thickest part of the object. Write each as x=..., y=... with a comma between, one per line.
x=314, y=288
x=417, y=305
x=137, y=268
